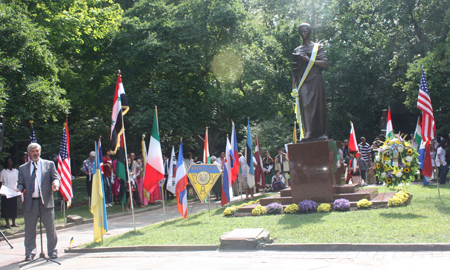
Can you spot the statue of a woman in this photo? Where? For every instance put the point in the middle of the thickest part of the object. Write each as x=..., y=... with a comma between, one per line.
x=312, y=99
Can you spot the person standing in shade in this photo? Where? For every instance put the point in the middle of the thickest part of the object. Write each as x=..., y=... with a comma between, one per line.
x=39, y=179
x=88, y=168
x=267, y=167
x=364, y=149
x=107, y=171
x=282, y=164
x=441, y=162
x=243, y=176
x=9, y=177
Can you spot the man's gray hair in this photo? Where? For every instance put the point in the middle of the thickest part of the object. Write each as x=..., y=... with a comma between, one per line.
x=92, y=154
x=33, y=146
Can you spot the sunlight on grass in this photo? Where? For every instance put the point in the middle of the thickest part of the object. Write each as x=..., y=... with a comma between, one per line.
x=424, y=221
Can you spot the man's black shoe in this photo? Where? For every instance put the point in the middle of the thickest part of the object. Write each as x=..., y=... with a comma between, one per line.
x=29, y=257
x=54, y=256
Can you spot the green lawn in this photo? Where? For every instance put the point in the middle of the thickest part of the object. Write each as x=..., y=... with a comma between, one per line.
x=424, y=221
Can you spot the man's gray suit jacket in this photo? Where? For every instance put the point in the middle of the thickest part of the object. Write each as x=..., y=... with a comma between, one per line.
x=49, y=175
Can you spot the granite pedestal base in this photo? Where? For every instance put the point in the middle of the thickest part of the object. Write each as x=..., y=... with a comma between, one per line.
x=312, y=166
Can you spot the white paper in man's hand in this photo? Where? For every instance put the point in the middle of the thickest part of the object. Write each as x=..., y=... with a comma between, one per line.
x=9, y=193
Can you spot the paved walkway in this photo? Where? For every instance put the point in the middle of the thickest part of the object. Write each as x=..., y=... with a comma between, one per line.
x=84, y=233
x=12, y=258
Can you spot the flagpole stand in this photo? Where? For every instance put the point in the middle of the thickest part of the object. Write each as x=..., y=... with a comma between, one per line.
x=163, y=200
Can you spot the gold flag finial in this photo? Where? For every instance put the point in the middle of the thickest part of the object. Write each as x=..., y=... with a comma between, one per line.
x=31, y=123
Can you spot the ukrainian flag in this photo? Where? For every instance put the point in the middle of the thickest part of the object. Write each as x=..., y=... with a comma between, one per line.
x=98, y=208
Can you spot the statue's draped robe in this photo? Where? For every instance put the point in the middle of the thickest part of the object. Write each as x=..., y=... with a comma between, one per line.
x=313, y=105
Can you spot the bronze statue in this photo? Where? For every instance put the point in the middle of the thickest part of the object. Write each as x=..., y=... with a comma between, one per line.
x=312, y=99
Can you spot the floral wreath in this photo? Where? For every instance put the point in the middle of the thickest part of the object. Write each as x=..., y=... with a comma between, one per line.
x=396, y=162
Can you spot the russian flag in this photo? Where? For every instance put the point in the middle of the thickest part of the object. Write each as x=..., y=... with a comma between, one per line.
x=181, y=183
x=235, y=156
x=226, y=185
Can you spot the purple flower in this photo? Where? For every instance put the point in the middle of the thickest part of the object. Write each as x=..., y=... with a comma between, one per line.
x=307, y=206
x=341, y=205
x=274, y=208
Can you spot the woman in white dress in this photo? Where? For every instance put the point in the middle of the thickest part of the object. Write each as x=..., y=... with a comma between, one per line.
x=9, y=177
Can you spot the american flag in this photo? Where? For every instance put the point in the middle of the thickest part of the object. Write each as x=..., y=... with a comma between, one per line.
x=64, y=167
x=31, y=140
x=424, y=104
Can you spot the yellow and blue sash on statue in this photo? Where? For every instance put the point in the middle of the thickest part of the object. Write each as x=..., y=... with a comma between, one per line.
x=294, y=93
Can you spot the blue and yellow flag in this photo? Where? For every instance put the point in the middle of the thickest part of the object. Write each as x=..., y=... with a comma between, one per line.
x=98, y=208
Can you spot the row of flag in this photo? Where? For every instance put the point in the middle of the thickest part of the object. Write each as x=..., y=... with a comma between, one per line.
x=424, y=131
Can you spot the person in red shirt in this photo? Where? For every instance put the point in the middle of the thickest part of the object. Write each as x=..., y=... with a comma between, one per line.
x=107, y=171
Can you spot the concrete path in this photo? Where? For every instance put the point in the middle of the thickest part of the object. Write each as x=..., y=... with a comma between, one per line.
x=84, y=233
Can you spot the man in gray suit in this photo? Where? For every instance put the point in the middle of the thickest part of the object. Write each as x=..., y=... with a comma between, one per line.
x=39, y=179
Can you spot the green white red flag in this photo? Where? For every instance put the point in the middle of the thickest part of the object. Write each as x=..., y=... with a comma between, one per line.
x=154, y=170
x=389, y=128
x=206, y=157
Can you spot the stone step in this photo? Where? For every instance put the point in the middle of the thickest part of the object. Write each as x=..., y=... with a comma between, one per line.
x=347, y=188
x=286, y=192
x=367, y=193
x=275, y=198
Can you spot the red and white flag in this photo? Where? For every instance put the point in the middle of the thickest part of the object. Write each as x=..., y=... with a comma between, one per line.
x=352, y=142
x=64, y=170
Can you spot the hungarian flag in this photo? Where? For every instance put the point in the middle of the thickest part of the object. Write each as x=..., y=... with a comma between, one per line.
x=226, y=185
x=154, y=170
x=352, y=143
x=120, y=108
x=235, y=165
x=418, y=132
x=181, y=183
x=259, y=173
x=206, y=157
x=389, y=128
x=249, y=159
x=64, y=170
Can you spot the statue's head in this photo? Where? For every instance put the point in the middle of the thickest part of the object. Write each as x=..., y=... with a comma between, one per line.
x=305, y=30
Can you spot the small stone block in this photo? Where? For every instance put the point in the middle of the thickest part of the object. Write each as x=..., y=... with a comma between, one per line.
x=244, y=239
x=75, y=219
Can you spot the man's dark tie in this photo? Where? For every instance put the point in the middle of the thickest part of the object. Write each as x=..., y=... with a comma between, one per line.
x=33, y=178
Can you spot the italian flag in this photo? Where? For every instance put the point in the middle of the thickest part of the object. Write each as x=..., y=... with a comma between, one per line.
x=389, y=129
x=154, y=170
x=206, y=157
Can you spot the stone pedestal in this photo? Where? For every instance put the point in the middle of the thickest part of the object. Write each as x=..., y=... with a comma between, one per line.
x=312, y=171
